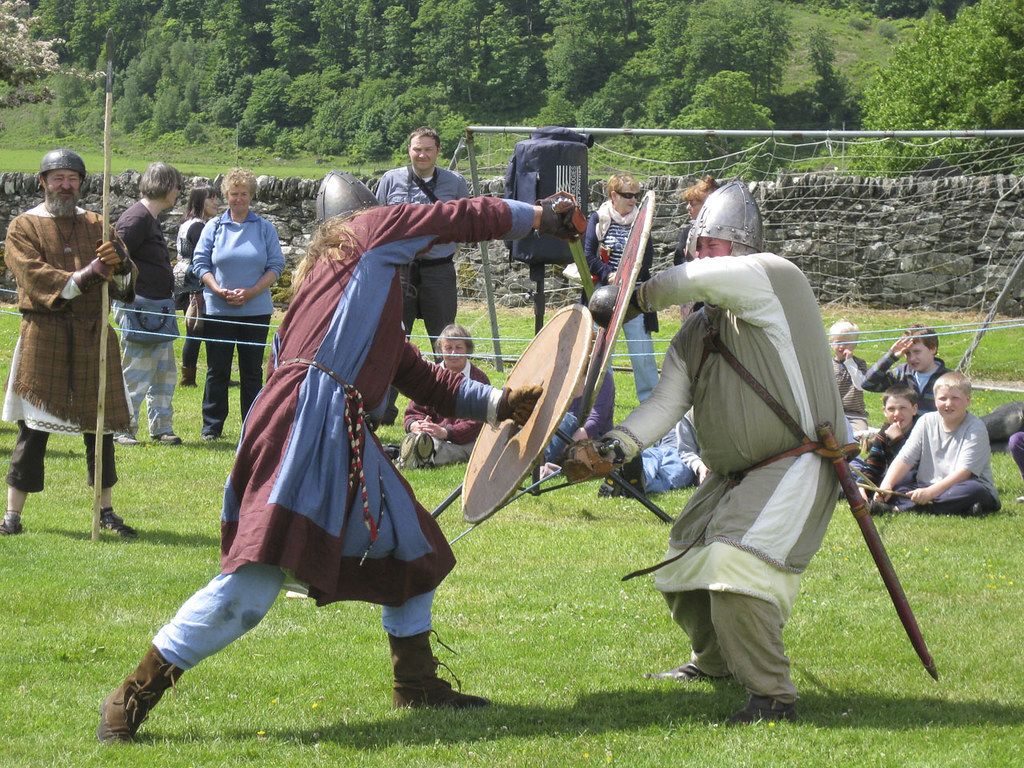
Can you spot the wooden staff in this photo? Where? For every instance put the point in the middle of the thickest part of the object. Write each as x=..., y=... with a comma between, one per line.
x=101, y=403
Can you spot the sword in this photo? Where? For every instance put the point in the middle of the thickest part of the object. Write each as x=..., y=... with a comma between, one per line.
x=875, y=546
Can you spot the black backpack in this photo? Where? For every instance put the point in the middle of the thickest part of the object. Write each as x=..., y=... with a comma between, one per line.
x=553, y=159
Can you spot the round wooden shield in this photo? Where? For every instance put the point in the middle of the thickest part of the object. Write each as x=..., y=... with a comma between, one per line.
x=625, y=279
x=504, y=455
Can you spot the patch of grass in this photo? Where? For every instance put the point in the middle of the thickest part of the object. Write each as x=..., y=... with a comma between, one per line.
x=538, y=616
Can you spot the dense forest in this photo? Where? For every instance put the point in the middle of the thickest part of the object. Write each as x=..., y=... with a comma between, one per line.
x=353, y=77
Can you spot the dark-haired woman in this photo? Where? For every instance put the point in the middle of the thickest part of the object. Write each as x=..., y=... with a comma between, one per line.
x=203, y=203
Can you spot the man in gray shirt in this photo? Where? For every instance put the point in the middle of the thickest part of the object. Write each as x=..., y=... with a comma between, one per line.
x=430, y=286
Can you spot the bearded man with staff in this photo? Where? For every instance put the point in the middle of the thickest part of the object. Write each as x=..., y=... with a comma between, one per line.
x=738, y=549
x=312, y=501
x=62, y=258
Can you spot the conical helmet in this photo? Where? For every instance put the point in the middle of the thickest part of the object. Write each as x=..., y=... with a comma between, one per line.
x=729, y=213
x=342, y=194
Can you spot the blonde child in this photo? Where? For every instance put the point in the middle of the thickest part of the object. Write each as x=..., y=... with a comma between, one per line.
x=433, y=440
x=945, y=465
x=849, y=371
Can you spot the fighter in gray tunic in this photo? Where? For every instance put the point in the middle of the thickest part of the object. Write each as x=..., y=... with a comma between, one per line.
x=752, y=527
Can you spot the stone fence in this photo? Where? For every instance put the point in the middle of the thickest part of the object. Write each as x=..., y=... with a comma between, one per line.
x=883, y=242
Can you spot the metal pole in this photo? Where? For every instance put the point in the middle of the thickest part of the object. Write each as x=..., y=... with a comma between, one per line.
x=485, y=263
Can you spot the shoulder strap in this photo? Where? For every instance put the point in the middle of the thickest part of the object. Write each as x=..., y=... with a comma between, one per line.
x=425, y=188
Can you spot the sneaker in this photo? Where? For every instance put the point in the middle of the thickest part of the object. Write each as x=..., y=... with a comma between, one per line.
x=763, y=708
x=406, y=451
x=688, y=673
x=168, y=438
x=115, y=523
x=1019, y=499
x=11, y=525
x=208, y=436
x=880, y=508
x=632, y=472
x=126, y=440
x=424, y=448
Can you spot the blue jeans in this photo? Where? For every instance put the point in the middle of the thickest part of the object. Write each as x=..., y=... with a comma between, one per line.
x=569, y=425
x=641, y=356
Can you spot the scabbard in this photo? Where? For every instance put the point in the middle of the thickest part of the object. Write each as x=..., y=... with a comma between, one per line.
x=867, y=527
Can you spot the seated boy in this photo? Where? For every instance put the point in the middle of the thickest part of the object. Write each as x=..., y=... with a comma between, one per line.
x=849, y=371
x=432, y=439
x=921, y=371
x=899, y=406
x=944, y=468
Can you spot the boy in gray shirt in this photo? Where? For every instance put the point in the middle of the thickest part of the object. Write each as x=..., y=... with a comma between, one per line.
x=945, y=465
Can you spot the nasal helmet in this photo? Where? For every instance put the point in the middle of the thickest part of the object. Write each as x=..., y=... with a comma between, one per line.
x=342, y=194
x=728, y=213
x=62, y=159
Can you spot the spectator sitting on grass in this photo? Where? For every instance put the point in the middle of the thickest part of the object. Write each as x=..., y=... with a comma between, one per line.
x=944, y=468
x=921, y=370
x=899, y=406
x=434, y=440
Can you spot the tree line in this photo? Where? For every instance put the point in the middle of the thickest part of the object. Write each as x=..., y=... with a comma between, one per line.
x=353, y=77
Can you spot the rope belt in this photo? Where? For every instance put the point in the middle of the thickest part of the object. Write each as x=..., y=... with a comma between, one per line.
x=355, y=424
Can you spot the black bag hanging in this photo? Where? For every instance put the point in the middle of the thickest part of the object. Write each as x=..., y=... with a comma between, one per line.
x=553, y=159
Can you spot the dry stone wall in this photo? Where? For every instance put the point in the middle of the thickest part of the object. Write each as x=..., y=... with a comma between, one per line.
x=870, y=245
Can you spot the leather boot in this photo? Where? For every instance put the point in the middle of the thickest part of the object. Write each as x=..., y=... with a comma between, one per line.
x=124, y=710
x=416, y=680
x=188, y=377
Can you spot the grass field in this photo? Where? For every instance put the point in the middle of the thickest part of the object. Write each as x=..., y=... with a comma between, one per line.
x=538, y=616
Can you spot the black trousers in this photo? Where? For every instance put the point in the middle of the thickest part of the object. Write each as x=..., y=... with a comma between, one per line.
x=223, y=334
x=27, y=472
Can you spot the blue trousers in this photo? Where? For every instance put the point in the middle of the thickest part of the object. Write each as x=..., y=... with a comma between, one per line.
x=233, y=603
x=955, y=501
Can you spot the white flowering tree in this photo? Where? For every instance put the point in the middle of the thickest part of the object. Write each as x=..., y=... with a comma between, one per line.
x=23, y=61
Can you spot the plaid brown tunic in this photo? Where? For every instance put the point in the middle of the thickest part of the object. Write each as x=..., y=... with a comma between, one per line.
x=58, y=362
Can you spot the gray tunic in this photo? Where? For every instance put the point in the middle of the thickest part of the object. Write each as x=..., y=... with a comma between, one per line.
x=763, y=308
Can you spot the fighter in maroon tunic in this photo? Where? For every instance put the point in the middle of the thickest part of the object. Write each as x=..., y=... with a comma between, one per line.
x=312, y=498
x=293, y=498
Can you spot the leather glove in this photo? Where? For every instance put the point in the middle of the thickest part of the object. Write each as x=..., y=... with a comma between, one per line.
x=586, y=459
x=518, y=404
x=561, y=217
x=114, y=254
x=92, y=274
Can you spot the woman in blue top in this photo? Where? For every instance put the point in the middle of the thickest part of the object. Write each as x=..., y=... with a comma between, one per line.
x=238, y=258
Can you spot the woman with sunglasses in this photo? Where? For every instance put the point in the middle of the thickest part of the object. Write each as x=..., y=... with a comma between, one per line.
x=603, y=244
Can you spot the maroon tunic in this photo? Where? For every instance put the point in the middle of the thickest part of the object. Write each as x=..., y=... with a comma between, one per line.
x=289, y=500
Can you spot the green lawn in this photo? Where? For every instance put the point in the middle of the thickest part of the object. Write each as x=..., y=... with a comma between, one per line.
x=538, y=616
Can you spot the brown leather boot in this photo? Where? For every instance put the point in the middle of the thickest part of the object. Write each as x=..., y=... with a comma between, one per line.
x=188, y=377
x=124, y=710
x=416, y=680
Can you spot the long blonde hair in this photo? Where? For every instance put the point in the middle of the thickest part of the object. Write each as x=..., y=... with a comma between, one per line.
x=331, y=242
